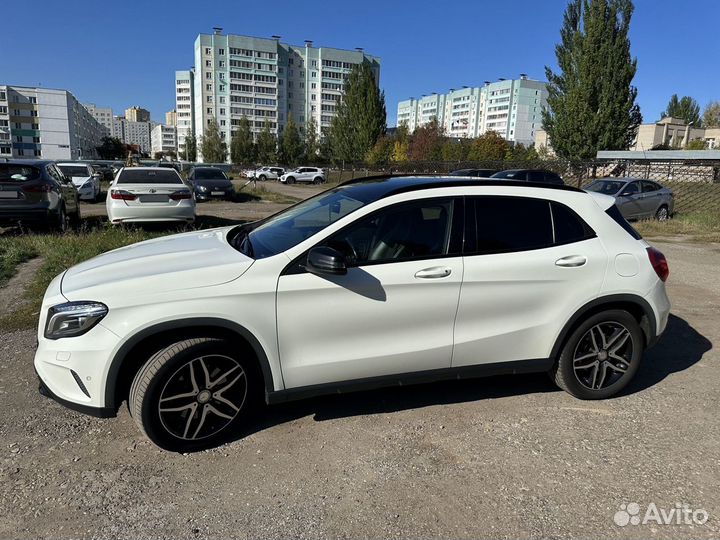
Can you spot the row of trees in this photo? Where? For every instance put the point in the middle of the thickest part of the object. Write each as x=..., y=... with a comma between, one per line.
x=687, y=109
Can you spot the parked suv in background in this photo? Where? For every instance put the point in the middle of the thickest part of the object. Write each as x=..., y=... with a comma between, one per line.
x=530, y=175
x=210, y=183
x=36, y=193
x=268, y=173
x=408, y=279
x=311, y=175
x=477, y=173
x=637, y=199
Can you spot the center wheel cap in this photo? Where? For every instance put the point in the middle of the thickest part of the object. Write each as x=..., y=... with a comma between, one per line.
x=602, y=356
x=204, y=396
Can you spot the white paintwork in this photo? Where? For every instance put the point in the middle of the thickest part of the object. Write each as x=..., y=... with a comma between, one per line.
x=88, y=185
x=304, y=174
x=378, y=319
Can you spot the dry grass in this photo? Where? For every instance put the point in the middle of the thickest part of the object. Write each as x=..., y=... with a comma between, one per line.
x=693, y=226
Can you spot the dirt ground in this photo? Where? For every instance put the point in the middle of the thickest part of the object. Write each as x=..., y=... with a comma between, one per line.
x=502, y=457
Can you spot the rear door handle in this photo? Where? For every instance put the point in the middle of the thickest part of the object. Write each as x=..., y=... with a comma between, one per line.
x=433, y=273
x=571, y=261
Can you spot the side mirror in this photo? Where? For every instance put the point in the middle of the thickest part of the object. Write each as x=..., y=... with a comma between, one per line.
x=326, y=260
x=626, y=193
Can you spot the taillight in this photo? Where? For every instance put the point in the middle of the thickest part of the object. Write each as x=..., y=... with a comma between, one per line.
x=38, y=188
x=659, y=263
x=122, y=195
x=179, y=195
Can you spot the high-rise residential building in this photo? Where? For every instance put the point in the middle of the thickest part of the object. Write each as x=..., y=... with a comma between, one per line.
x=46, y=123
x=134, y=133
x=162, y=140
x=512, y=108
x=104, y=115
x=137, y=114
x=184, y=91
x=267, y=81
x=171, y=118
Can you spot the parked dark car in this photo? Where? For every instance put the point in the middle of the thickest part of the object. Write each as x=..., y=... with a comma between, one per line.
x=37, y=194
x=530, y=175
x=476, y=173
x=210, y=183
x=105, y=170
x=637, y=198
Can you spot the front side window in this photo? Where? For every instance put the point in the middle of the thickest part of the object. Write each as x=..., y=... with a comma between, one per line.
x=406, y=231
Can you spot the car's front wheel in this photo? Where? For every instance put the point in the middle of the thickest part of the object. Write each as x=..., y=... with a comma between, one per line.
x=601, y=355
x=193, y=394
x=290, y=180
x=662, y=213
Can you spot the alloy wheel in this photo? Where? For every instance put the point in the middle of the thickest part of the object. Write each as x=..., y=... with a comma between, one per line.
x=662, y=214
x=603, y=355
x=203, y=397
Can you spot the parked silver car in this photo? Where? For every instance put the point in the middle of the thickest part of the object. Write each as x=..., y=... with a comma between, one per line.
x=637, y=198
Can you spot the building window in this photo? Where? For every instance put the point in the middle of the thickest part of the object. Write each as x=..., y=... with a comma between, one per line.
x=312, y=85
x=33, y=99
x=208, y=87
x=208, y=75
x=222, y=64
x=36, y=139
x=208, y=50
x=208, y=99
x=208, y=63
x=209, y=110
x=222, y=112
x=312, y=97
x=221, y=52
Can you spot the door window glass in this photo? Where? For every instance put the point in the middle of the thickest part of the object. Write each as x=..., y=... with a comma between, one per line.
x=568, y=226
x=631, y=189
x=649, y=186
x=506, y=224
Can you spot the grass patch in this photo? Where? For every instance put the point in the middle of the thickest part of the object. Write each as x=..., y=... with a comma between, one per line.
x=697, y=226
x=260, y=193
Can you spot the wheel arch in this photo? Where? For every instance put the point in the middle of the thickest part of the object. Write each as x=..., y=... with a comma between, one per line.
x=131, y=356
x=637, y=306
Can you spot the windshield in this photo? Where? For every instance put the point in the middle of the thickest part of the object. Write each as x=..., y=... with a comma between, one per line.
x=209, y=174
x=297, y=223
x=74, y=170
x=149, y=176
x=608, y=187
x=18, y=173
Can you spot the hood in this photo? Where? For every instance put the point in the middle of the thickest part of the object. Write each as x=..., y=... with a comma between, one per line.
x=180, y=261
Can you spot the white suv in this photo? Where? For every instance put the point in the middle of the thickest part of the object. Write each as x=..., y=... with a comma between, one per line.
x=311, y=175
x=406, y=280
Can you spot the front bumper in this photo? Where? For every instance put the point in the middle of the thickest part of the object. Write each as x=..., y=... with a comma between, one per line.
x=209, y=195
x=99, y=412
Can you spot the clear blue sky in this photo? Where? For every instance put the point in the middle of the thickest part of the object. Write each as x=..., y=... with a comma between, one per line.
x=125, y=53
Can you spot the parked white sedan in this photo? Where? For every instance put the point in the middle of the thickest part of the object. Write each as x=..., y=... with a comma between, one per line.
x=144, y=194
x=84, y=178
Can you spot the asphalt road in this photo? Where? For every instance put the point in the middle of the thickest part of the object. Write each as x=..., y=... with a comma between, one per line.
x=502, y=457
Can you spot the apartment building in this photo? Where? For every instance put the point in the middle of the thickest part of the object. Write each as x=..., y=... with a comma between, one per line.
x=137, y=114
x=171, y=118
x=46, y=123
x=163, y=140
x=104, y=115
x=185, y=117
x=133, y=132
x=512, y=108
x=266, y=80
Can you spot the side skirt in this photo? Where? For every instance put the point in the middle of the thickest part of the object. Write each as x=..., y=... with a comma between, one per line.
x=402, y=379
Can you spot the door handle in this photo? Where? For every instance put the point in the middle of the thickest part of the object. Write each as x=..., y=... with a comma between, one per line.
x=433, y=273
x=571, y=261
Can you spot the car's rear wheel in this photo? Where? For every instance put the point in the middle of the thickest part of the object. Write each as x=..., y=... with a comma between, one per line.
x=317, y=180
x=601, y=355
x=76, y=219
x=61, y=220
x=662, y=213
x=193, y=394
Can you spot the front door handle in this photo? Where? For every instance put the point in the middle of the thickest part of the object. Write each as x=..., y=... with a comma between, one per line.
x=433, y=273
x=571, y=261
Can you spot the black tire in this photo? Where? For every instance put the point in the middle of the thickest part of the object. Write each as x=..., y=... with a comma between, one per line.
x=61, y=220
x=662, y=213
x=262, y=178
x=76, y=219
x=290, y=180
x=574, y=369
x=169, y=371
x=317, y=180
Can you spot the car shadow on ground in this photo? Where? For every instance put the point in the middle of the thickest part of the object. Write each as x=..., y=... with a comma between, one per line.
x=680, y=347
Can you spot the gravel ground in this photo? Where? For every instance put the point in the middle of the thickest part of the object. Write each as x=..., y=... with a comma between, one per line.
x=502, y=457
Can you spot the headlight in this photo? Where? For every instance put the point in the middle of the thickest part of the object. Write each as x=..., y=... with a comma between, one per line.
x=202, y=188
x=73, y=318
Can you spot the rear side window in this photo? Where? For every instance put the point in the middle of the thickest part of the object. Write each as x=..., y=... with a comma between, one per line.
x=506, y=224
x=615, y=214
x=145, y=176
x=10, y=172
x=568, y=227
x=649, y=186
x=536, y=176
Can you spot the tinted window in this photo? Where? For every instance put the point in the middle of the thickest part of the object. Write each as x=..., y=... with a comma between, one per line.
x=512, y=175
x=506, y=224
x=208, y=174
x=568, y=226
x=631, y=189
x=614, y=213
x=536, y=176
x=402, y=232
x=608, y=187
x=650, y=186
x=552, y=178
x=148, y=176
x=18, y=173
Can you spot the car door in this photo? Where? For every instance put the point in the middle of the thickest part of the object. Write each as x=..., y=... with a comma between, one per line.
x=629, y=201
x=66, y=187
x=529, y=263
x=392, y=313
x=651, y=197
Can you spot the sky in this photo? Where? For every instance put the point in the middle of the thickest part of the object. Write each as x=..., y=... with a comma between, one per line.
x=118, y=54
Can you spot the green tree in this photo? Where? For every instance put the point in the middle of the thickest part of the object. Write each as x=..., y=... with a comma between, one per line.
x=456, y=149
x=711, y=115
x=426, y=142
x=291, y=146
x=190, y=153
x=360, y=118
x=111, y=148
x=214, y=149
x=685, y=108
x=591, y=102
x=696, y=144
x=381, y=153
x=242, y=147
x=312, y=142
x=489, y=146
x=266, y=145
